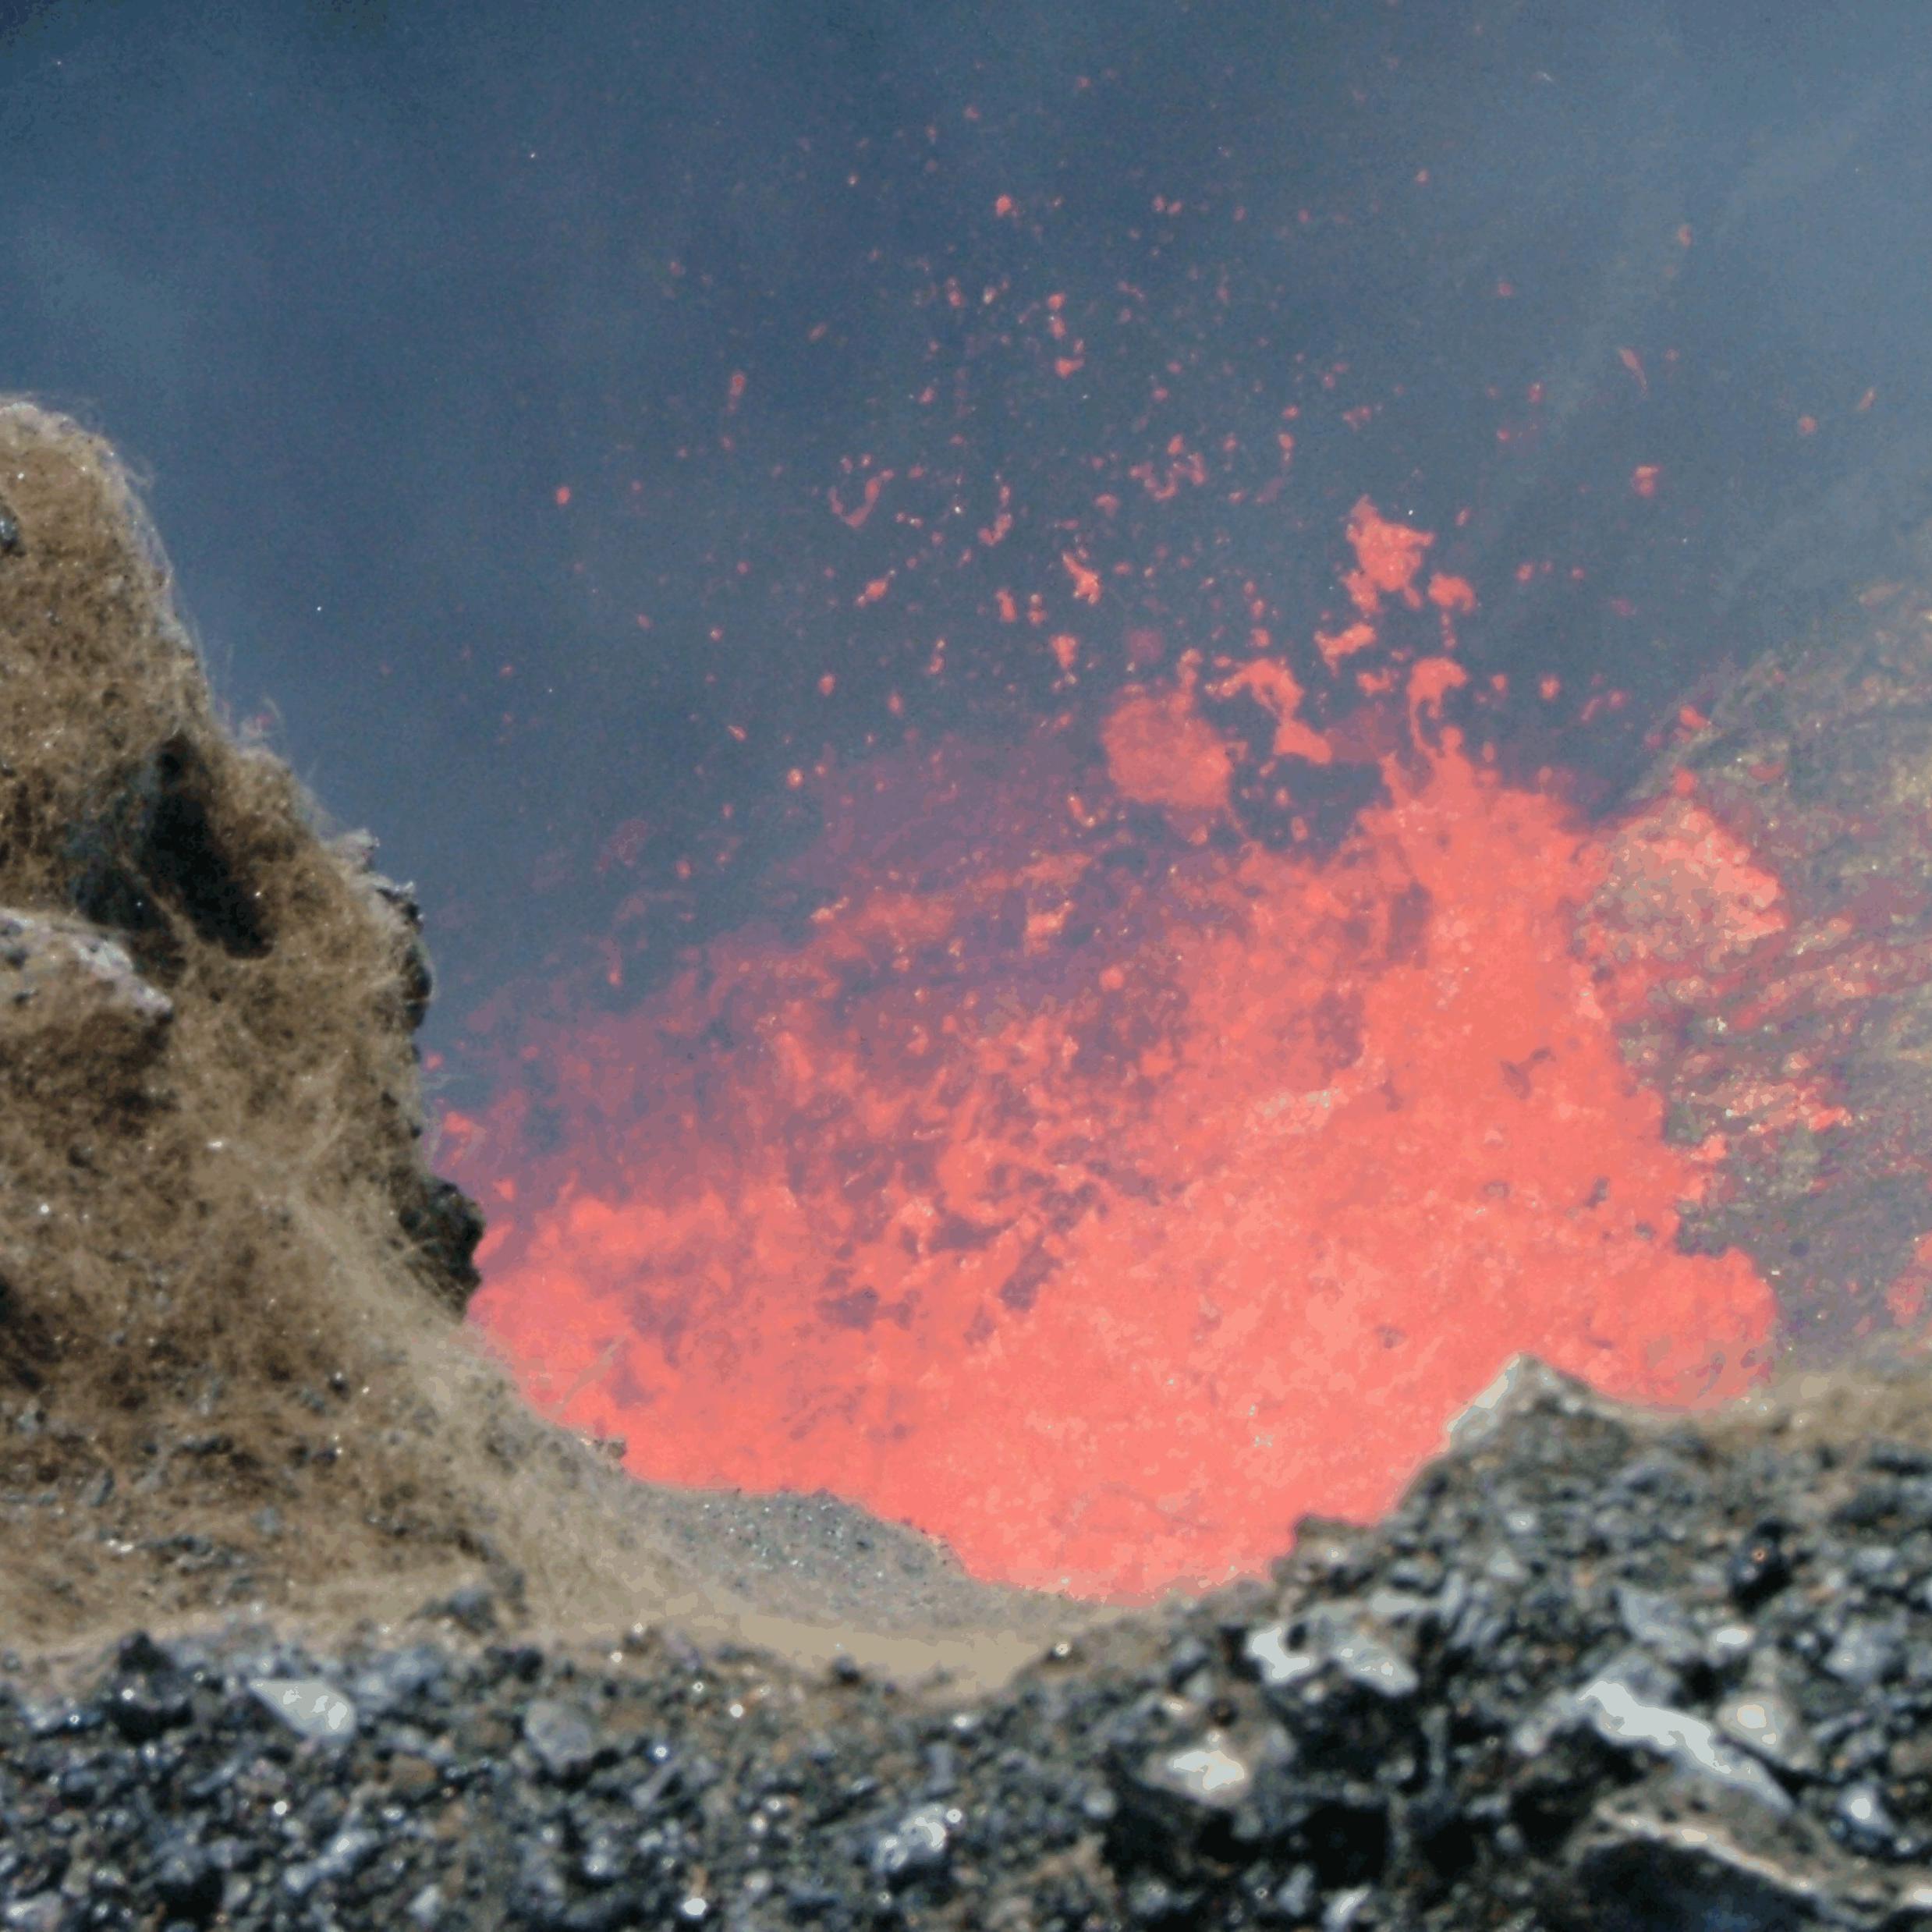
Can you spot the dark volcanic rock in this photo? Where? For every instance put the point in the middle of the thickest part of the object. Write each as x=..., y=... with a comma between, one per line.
x=1516, y=1702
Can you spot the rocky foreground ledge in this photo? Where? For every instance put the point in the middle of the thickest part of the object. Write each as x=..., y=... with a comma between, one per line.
x=1600, y=1670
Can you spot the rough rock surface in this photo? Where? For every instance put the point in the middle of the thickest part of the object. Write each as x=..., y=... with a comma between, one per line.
x=1601, y=1671
x=1795, y=1038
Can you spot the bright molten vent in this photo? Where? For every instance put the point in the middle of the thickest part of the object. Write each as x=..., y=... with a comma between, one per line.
x=1100, y=1188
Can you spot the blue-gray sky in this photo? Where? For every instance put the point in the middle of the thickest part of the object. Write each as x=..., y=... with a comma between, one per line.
x=364, y=290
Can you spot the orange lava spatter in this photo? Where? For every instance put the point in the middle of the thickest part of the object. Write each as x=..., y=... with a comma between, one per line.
x=1102, y=1203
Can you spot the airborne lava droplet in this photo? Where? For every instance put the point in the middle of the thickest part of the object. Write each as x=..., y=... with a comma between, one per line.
x=1086, y=583
x=1387, y=554
x=1160, y=751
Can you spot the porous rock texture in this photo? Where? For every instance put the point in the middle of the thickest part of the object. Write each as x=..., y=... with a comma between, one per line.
x=306, y=1621
x=1600, y=1671
x=1806, y=1051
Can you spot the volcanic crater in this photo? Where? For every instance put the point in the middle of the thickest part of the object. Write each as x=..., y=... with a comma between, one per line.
x=283, y=1540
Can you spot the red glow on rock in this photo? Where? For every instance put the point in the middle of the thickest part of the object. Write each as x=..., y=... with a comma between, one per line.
x=1101, y=1200
x=1689, y=896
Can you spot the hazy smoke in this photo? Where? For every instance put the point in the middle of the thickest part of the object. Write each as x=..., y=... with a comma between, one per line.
x=368, y=288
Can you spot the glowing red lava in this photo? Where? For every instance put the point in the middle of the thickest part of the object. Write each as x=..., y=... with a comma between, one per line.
x=1100, y=1195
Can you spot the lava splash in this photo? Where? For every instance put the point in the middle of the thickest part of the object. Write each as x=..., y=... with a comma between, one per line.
x=1098, y=1188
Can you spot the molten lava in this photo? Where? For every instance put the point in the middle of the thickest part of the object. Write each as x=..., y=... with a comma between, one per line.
x=1098, y=1188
